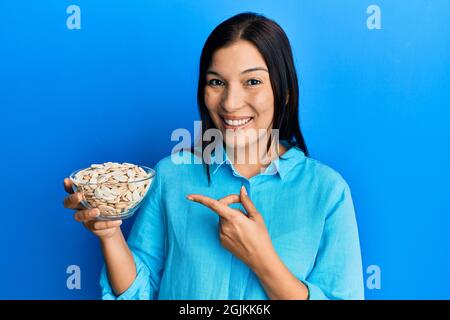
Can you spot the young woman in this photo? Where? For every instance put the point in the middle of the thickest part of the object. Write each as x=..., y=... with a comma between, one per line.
x=283, y=228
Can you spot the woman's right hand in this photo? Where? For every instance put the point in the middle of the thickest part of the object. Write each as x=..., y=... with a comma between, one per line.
x=102, y=229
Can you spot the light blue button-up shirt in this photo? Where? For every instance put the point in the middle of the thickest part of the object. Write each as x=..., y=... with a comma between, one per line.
x=307, y=208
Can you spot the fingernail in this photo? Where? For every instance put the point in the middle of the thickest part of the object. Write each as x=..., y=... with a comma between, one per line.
x=96, y=212
x=190, y=198
x=244, y=191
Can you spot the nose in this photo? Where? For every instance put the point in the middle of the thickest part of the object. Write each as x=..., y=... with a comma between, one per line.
x=232, y=99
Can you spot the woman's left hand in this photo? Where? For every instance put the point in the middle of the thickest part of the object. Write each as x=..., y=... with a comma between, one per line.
x=245, y=236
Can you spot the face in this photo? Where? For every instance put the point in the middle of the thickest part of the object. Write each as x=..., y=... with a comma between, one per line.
x=238, y=94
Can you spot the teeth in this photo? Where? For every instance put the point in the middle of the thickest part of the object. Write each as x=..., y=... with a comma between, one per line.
x=237, y=122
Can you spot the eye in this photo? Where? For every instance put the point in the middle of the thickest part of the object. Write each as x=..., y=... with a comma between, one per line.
x=215, y=82
x=253, y=82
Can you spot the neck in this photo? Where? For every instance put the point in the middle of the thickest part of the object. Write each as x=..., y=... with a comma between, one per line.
x=250, y=161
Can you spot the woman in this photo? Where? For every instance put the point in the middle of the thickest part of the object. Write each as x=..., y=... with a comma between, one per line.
x=280, y=227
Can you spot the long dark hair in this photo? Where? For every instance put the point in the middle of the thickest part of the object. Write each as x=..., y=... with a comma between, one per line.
x=271, y=41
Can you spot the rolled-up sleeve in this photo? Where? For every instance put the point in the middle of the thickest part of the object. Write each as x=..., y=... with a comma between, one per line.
x=147, y=244
x=337, y=273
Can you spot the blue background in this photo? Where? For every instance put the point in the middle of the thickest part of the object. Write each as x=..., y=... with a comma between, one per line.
x=375, y=106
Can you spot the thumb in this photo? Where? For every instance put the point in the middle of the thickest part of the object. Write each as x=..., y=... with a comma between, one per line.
x=248, y=204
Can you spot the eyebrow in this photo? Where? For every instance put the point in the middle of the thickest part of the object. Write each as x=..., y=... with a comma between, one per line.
x=243, y=72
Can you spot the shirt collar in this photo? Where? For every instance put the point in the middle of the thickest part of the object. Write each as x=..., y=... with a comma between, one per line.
x=278, y=166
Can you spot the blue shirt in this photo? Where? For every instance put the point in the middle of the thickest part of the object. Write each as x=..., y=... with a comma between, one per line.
x=307, y=208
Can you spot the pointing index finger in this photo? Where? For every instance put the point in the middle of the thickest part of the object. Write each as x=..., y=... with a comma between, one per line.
x=220, y=207
x=232, y=198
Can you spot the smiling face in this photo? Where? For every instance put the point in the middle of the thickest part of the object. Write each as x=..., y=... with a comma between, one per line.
x=238, y=94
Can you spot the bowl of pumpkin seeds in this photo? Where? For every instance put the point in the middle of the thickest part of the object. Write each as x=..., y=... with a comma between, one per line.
x=116, y=189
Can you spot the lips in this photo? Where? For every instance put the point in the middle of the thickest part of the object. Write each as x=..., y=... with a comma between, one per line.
x=236, y=122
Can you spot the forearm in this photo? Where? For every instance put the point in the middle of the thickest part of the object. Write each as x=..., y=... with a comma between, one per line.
x=119, y=262
x=278, y=282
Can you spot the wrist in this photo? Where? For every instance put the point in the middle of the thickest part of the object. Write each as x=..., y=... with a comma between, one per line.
x=279, y=282
x=112, y=239
x=267, y=265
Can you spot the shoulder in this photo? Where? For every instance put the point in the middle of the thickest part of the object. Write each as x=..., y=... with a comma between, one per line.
x=328, y=187
x=324, y=174
x=324, y=183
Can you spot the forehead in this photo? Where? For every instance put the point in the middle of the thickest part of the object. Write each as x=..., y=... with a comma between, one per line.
x=240, y=55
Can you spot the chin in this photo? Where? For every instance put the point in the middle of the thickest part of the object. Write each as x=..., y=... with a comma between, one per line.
x=240, y=140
